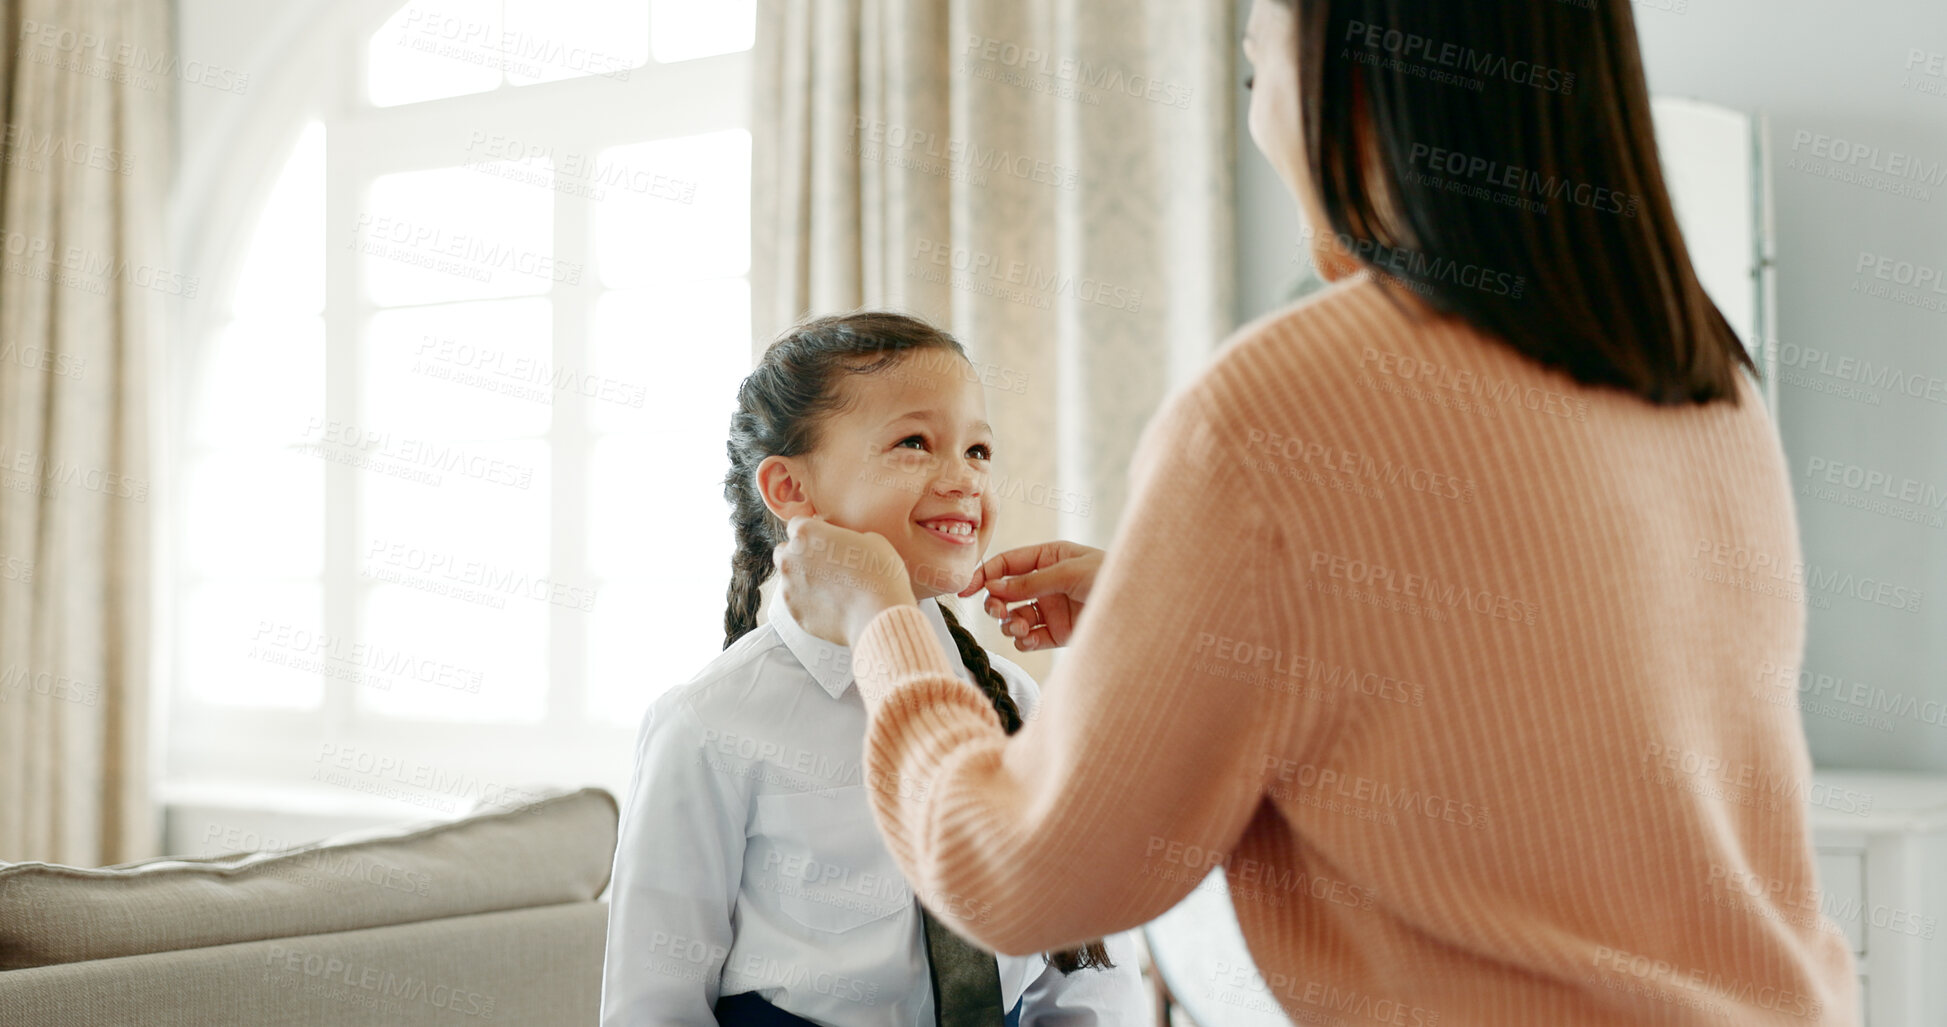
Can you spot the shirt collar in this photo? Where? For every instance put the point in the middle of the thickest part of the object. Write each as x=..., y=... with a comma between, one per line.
x=831, y=664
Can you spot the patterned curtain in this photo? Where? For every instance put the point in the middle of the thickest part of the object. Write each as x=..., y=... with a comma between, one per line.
x=87, y=92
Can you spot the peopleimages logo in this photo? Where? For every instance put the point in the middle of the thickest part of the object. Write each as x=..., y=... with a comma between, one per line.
x=1518, y=180
x=516, y=52
x=89, y=270
x=897, y=138
x=1870, y=701
x=1426, y=51
x=91, y=54
x=1860, y=371
x=1429, y=589
x=1078, y=72
x=1758, y=571
x=1417, y=270
x=1863, y=164
x=21, y=144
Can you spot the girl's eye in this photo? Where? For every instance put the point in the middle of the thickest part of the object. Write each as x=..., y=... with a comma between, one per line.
x=921, y=439
x=981, y=451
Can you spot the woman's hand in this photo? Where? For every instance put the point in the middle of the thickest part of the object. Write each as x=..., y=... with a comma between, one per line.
x=835, y=580
x=1054, y=577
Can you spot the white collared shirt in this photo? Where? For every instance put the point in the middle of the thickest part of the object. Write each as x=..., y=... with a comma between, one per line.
x=748, y=860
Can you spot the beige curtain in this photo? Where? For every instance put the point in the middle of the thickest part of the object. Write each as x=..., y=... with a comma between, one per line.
x=1049, y=180
x=87, y=89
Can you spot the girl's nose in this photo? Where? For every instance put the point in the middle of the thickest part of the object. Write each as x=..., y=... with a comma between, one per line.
x=961, y=482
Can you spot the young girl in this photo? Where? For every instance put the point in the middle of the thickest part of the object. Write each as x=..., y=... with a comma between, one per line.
x=751, y=885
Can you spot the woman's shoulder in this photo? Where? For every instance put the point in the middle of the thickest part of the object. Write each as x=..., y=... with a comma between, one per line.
x=1340, y=349
x=1321, y=333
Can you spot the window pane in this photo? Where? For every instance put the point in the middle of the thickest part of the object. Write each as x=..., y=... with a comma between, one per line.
x=685, y=29
x=282, y=271
x=671, y=358
x=261, y=384
x=691, y=221
x=457, y=234
x=255, y=514
x=432, y=657
x=461, y=370
x=646, y=492
x=485, y=513
x=258, y=644
x=642, y=641
x=548, y=40
x=428, y=51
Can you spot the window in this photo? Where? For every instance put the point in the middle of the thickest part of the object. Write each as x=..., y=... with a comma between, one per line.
x=451, y=437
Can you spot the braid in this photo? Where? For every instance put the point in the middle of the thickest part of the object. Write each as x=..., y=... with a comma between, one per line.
x=750, y=563
x=983, y=672
x=1093, y=955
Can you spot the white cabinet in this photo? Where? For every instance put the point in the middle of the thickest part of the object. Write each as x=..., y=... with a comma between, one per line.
x=1882, y=849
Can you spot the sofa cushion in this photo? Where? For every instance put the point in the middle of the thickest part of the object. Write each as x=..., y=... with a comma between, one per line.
x=556, y=850
x=519, y=966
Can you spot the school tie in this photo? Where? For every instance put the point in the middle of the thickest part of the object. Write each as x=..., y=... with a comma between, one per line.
x=966, y=980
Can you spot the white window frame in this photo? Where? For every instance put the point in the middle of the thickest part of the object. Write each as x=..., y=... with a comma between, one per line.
x=214, y=751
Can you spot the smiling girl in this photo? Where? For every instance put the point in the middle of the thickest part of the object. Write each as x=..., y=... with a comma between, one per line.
x=751, y=886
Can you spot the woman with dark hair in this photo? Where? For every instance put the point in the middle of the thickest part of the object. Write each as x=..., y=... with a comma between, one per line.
x=1433, y=616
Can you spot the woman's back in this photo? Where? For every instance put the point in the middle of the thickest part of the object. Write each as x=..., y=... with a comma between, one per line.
x=1435, y=651
x=1540, y=762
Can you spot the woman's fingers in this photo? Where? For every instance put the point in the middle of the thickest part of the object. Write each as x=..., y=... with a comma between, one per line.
x=1021, y=560
x=1057, y=615
x=1045, y=623
x=1049, y=581
x=1037, y=640
x=1021, y=620
x=1072, y=577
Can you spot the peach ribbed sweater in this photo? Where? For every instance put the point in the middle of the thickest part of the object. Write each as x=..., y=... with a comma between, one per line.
x=1458, y=667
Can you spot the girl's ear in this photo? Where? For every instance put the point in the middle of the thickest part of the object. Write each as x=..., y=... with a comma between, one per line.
x=781, y=484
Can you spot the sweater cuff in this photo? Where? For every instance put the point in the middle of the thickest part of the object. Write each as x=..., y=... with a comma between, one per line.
x=898, y=647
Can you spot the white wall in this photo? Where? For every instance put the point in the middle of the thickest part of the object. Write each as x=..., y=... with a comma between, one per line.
x=1837, y=71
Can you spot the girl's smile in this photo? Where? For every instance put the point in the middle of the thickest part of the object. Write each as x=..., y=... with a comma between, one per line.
x=952, y=529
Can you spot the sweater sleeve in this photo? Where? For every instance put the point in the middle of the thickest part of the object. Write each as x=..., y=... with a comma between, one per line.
x=1147, y=758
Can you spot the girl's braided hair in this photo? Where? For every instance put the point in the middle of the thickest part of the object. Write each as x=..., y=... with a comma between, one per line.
x=779, y=409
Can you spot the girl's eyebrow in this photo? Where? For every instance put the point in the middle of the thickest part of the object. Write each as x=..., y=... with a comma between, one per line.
x=926, y=416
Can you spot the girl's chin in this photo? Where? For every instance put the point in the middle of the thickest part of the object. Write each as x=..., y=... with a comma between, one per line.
x=941, y=578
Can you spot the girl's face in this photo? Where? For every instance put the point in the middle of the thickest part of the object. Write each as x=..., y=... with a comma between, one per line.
x=907, y=457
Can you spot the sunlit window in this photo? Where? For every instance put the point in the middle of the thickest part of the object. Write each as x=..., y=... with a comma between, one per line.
x=661, y=461
x=454, y=455
x=252, y=548
x=687, y=29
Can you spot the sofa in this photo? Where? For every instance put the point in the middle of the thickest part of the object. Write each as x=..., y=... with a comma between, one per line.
x=492, y=918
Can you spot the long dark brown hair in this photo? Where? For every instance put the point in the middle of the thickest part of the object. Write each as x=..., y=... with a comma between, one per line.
x=1557, y=184
x=780, y=408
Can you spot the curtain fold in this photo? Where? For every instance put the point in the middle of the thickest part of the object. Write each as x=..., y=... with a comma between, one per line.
x=1052, y=182
x=86, y=89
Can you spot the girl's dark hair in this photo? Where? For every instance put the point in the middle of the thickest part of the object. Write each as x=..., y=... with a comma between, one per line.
x=780, y=408
x=1532, y=207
